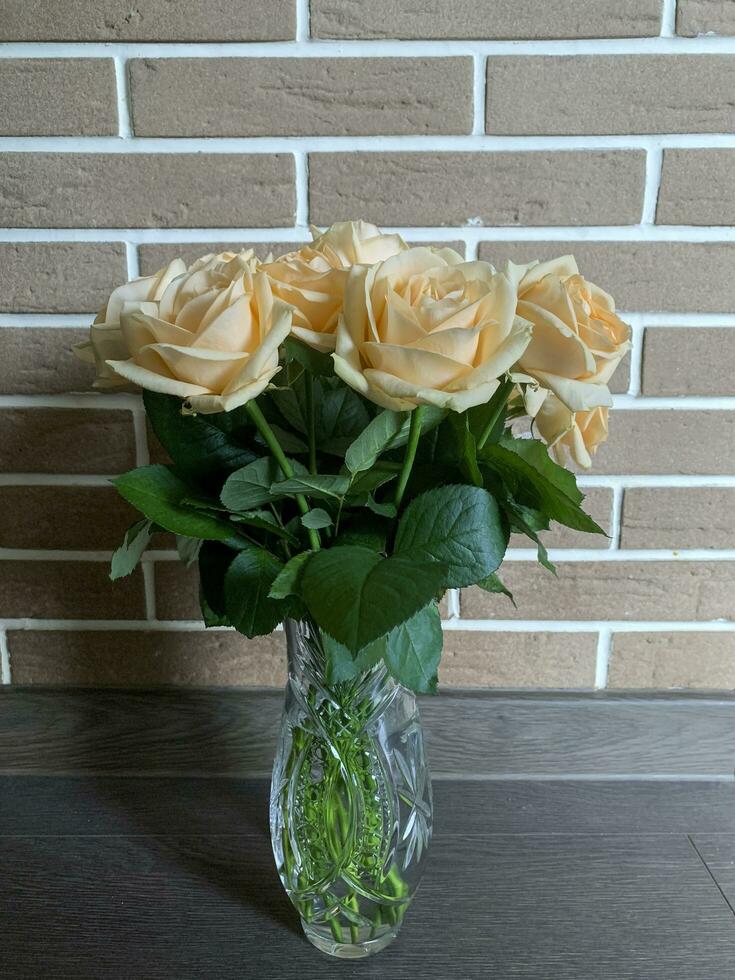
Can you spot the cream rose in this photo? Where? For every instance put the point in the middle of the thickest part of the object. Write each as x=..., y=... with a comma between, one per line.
x=210, y=337
x=578, y=340
x=312, y=280
x=106, y=341
x=427, y=328
x=579, y=433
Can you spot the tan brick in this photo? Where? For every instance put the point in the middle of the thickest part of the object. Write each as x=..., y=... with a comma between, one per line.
x=534, y=188
x=59, y=277
x=39, y=360
x=623, y=590
x=301, y=96
x=154, y=257
x=678, y=517
x=668, y=441
x=696, y=361
x=145, y=658
x=177, y=591
x=148, y=20
x=57, y=97
x=704, y=661
x=598, y=504
x=518, y=660
x=66, y=440
x=705, y=17
x=169, y=190
x=65, y=518
x=504, y=19
x=68, y=590
x=603, y=95
x=684, y=277
x=697, y=188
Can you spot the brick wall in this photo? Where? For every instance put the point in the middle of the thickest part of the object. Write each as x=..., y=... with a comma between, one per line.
x=133, y=132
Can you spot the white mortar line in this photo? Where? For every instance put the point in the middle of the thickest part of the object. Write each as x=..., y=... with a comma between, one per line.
x=131, y=259
x=453, y=603
x=301, y=176
x=654, y=165
x=5, y=676
x=560, y=555
x=479, y=82
x=303, y=21
x=312, y=48
x=86, y=399
x=32, y=320
x=602, y=663
x=587, y=626
x=124, y=126
x=692, y=234
x=685, y=320
x=668, y=19
x=637, y=331
x=386, y=143
x=616, y=518
x=694, y=402
x=53, y=480
x=149, y=587
x=469, y=625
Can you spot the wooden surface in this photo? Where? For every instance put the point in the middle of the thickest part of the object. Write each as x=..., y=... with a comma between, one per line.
x=173, y=879
x=214, y=733
x=168, y=874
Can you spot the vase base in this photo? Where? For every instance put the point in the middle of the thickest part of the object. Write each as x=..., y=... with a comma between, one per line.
x=348, y=951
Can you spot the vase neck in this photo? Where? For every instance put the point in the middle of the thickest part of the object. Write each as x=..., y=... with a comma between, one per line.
x=307, y=661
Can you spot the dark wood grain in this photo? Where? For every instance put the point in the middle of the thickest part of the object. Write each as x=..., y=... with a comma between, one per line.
x=534, y=908
x=233, y=733
x=108, y=805
x=718, y=855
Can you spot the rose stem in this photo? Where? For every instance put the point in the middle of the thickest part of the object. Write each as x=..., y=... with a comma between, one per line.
x=413, y=440
x=499, y=400
x=309, y=382
x=275, y=447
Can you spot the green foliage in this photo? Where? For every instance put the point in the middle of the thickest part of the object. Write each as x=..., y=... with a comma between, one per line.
x=201, y=446
x=158, y=494
x=414, y=649
x=127, y=556
x=248, y=582
x=356, y=595
x=367, y=538
x=457, y=526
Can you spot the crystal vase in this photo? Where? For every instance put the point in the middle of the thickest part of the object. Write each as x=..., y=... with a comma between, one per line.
x=350, y=803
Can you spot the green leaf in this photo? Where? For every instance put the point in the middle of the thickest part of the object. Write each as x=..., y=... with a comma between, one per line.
x=383, y=510
x=264, y=520
x=357, y=596
x=537, y=481
x=249, y=488
x=340, y=416
x=458, y=525
x=341, y=666
x=389, y=430
x=248, y=581
x=414, y=649
x=157, y=493
x=315, y=361
x=188, y=549
x=127, y=556
x=214, y=560
x=288, y=580
x=493, y=584
x=316, y=519
x=289, y=442
x=199, y=445
x=326, y=486
x=466, y=449
x=526, y=521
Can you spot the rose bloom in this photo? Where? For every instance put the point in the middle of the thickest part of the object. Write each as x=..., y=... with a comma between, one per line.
x=106, y=341
x=427, y=328
x=578, y=340
x=210, y=337
x=579, y=433
x=313, y=278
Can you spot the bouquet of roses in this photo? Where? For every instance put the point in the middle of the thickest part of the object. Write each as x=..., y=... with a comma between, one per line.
x=344, y=429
